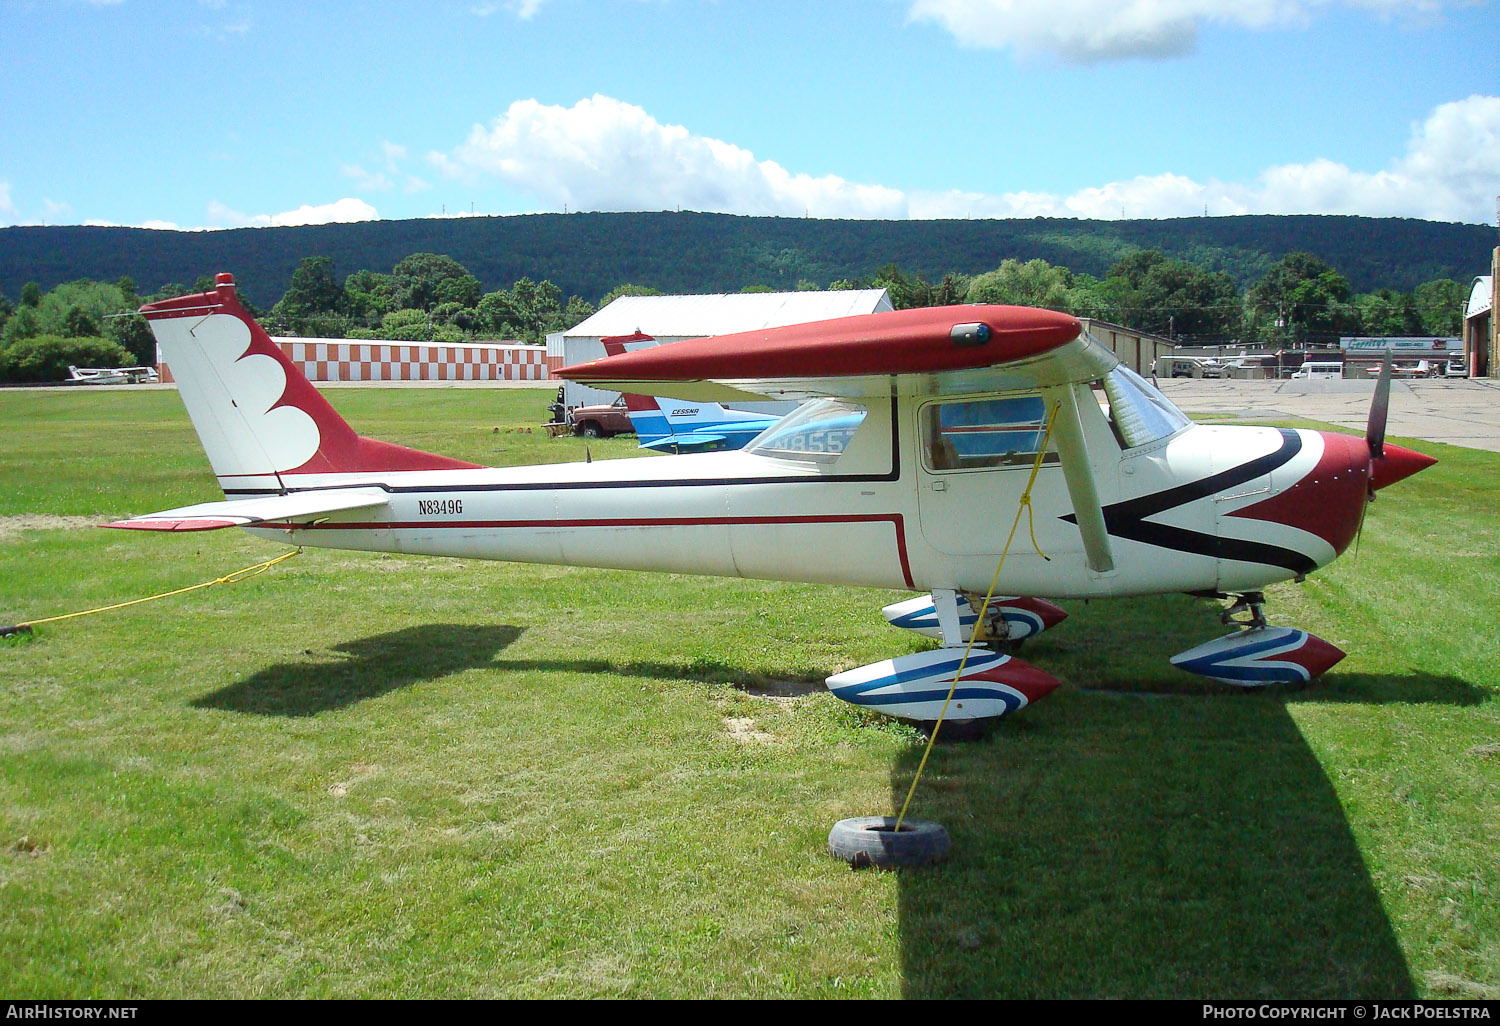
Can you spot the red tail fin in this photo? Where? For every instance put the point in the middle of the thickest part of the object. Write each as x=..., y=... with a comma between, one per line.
x=615, y=346
x=255, y=412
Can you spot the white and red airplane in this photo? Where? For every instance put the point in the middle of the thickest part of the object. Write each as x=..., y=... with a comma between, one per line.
x=905, y=471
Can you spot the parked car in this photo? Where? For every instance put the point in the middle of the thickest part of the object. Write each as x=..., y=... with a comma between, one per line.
x=1455, y=368
x=602, y=420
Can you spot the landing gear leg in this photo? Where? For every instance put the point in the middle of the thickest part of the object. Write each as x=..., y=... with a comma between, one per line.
x=1248, y=611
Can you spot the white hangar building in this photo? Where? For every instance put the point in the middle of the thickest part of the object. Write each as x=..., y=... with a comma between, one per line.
x=675, y=318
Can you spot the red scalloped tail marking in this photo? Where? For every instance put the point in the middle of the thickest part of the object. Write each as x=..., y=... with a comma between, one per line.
x=340, y=449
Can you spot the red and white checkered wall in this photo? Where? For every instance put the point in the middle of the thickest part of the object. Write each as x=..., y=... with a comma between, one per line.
x=337, y=360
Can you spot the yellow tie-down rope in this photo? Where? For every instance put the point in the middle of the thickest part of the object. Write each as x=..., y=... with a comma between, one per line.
x=1024, y=506
x=234, y=578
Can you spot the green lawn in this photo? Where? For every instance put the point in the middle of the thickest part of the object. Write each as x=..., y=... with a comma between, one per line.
x=367, y=775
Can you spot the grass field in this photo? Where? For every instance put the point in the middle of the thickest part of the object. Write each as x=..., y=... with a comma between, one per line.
x=365, y=775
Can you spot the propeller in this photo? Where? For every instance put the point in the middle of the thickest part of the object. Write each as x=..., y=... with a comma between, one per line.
x=1375, y=439
x=1379, y=407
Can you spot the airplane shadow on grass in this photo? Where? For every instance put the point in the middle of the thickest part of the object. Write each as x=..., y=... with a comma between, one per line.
x=361, y=669
x=1108, y=843
x=1136, y=844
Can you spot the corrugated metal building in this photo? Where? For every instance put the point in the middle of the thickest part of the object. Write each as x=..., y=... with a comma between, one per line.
x=1481, y=350
x=675, y=318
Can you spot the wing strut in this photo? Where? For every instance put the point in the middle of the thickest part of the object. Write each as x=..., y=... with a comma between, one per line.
x=1079, y=474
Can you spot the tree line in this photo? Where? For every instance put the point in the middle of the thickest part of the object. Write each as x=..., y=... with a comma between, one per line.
x=1299, y=300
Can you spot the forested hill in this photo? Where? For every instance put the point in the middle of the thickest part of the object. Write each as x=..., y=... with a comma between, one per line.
x=589, y=254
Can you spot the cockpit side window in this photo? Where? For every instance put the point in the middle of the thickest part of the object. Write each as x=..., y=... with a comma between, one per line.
x=974, y=434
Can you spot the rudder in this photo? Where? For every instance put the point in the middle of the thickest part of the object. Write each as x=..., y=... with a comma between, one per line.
x=257, y=415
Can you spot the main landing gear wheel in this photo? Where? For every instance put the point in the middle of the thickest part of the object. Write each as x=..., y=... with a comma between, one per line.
x=956, y=730
x=873, y=841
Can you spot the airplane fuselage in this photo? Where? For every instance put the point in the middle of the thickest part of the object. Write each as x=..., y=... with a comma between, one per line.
x=1181, y=512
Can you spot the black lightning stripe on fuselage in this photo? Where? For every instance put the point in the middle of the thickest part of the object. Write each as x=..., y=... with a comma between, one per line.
x=1127, y=519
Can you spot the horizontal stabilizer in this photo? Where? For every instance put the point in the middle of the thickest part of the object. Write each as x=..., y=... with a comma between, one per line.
x=687, y=442
x=298, y=506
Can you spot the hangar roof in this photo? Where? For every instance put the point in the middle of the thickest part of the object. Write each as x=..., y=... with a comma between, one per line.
x=1481, y=296
x=697, y=316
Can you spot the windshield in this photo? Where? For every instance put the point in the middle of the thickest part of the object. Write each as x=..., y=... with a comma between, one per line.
x=1139, y=413
x=815, y=432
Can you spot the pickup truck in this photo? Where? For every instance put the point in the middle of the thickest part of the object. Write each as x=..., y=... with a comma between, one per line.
x=603, y=420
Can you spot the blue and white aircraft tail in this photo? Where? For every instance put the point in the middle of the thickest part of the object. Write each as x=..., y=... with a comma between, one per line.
x=674, y=425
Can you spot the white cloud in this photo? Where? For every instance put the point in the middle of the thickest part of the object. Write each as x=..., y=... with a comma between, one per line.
x=346, y=209
x=604, y=154
x=1450, y=172
x=7, y=208
x=366, y=181
x=1085, y=31
x=168, y=226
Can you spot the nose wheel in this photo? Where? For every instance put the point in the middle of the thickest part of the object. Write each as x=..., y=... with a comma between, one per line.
x=1256, y=654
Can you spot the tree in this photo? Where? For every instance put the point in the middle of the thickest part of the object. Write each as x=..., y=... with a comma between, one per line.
x=47, y=357
x=526, y=310
x=133, y=334
x=31, y=294
x=24, y=323
x=1439, y=305
x=1386, y=312
x=463, y=290
x=627, y=290
x=417, y=279
x=313, y=290
x=79, y=323
x=369, y=296
x=1302, y=299
x=1034, y=283
x=407, y=325
x=574, y=313
x=906, y=291
x=80, y=308
x=1149, y=291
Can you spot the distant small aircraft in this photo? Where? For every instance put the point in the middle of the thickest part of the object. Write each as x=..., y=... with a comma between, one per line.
x=97, y=375
x=675, y=425
x=904, y=470
x=112, y=375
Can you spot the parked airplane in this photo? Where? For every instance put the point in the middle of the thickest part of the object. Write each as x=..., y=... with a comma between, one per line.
x=675, y=425
x=923, y=429
x=97, y=375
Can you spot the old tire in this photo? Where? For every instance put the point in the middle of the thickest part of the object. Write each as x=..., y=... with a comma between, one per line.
x=591, y=430
x=872, y=841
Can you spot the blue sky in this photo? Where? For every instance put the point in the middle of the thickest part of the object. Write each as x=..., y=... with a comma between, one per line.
x=222, y=113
